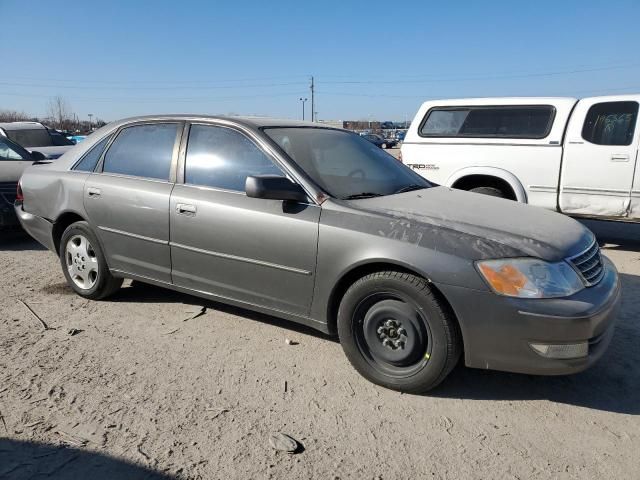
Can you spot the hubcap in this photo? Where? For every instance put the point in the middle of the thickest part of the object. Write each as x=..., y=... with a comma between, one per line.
x=392, y=334
x=82, y=262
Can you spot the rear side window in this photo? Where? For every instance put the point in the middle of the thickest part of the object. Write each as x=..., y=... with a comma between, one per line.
x=532, y=121
x=223, y=158
x=610, y=123
x=90, y=159
x=142, y=151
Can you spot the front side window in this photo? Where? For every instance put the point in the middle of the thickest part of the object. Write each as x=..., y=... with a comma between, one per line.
x=220, y=157
x=143, y=151
x=37, y=137
x=9, y=152
x=533, y=121
x=345, y=165
x=610, y=123
x=91, y=158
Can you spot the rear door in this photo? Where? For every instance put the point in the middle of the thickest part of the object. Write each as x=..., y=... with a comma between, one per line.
x=251, y=250
x=127, y=198
x=599, y=158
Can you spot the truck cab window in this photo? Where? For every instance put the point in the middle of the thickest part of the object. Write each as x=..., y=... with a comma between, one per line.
x=610, y=123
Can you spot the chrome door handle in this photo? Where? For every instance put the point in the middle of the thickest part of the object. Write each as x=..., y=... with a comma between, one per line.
x=619, y=157
x=93, y=192
x=185, y=209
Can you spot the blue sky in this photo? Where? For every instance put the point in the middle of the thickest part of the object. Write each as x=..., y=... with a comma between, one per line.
x=370, y=59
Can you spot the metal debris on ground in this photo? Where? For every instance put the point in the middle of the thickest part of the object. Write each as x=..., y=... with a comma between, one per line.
x=74, y=440
x=283, y=443
x=199, y=313
x=36, y=316
x=74, y=331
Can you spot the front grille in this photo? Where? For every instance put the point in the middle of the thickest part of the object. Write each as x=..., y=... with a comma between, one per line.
x=8, y=191
x=589, y=264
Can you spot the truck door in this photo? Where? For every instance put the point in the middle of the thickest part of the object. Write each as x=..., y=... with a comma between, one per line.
x=599, y=159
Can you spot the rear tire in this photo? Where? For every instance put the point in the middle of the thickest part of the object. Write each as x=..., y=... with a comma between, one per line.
x=84, y=265
x=383, y=146
x=396, y=333
x=491, y=191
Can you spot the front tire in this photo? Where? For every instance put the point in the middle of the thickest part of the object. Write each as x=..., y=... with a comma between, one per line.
x=84, y=265
x=396, y=333
x=491, y=191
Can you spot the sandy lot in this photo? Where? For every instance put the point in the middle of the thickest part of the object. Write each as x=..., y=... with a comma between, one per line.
x=136, y=387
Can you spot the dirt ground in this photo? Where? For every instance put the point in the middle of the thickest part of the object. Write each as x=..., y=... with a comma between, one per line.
x=141, y=386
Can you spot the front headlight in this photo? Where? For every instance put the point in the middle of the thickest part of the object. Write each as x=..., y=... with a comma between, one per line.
x=530, y=278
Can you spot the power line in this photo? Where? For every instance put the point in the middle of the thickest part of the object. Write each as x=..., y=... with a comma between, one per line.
x=479, y=78
x=209, y=87
x=159, y=99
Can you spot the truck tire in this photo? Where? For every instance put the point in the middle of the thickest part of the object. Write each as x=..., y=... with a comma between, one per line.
x=491, y=191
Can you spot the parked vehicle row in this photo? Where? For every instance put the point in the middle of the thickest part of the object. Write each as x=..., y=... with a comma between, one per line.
x=36, y=136
x=14, y=159
x=380, y=141
x=578, y=157
x=319, y=226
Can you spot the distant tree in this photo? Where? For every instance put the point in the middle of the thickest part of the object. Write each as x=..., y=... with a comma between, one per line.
x=13, y=116
x=59, y=112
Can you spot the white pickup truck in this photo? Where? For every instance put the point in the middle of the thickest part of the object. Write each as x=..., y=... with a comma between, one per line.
x=579, y=157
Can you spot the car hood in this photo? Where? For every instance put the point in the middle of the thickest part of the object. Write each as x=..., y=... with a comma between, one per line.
x=443, y=218
x=51, y=152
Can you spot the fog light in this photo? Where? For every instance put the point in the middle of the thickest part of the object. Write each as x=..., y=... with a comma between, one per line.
x=570, y=350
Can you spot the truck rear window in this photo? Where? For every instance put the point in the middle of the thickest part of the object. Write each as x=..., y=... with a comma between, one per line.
x=529, y=121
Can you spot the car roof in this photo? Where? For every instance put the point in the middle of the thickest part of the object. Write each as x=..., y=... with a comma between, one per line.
x=247, y=121
x=22, y=126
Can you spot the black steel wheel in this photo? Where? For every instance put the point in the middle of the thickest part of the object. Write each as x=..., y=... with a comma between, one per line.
x=396, y=333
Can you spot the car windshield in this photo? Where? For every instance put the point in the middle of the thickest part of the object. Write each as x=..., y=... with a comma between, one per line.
x=344, y=164
x=31, y=138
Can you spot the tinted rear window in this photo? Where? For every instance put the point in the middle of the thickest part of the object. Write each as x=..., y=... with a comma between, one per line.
x=142, y=151
x=38, y=137
x=532, y=121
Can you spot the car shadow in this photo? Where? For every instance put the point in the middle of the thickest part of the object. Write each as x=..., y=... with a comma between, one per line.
x=16, y=240
x=610, y=385
x=624, y=235
x=25, y=460
x=139, y=292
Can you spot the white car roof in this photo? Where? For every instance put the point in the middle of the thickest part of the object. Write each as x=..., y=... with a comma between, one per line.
x=22, y=125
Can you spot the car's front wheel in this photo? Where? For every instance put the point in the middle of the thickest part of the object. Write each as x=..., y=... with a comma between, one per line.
x=84, y=264
x=396, y=333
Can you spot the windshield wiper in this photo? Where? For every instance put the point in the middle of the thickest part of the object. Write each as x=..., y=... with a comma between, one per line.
x=410, y=188
x=356, y=196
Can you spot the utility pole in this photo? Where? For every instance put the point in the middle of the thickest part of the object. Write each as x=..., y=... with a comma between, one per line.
x=313, y=104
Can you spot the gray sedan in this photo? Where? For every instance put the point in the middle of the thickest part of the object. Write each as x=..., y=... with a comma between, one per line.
x=319, y=226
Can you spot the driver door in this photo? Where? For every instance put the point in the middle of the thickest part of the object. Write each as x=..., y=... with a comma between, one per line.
x=250, y=250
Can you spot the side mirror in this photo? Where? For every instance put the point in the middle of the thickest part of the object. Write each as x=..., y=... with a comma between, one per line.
x=274, y=188
x=37, y=156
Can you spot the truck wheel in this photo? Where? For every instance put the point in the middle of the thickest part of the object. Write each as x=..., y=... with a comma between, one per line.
x=396, y=333
x=383, y=146
x=84, y=265
x=491, y=191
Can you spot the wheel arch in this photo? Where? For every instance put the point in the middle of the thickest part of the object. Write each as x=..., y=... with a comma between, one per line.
x=61, y=223
x=504, y=177
x=370, y=266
